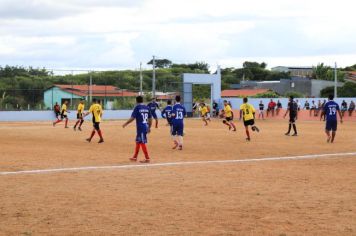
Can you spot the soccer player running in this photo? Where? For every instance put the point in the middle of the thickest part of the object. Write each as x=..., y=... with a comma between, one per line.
x=204, y=111
x=153, y=105
x=292, y=109
x=143, y=117
x=64, y=115
x=97, y=112
x=80, y=113
x=247, y=111
x=178, y=114
x=57, y=110
x=228, y=115
x=329, y=112
x=166, y=113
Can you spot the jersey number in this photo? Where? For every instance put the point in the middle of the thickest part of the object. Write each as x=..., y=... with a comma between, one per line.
x=332, y=111
x=179, y=115
x=144, y=118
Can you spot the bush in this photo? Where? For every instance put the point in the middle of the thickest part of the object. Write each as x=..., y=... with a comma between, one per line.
x=269, y=94
x=294, y=94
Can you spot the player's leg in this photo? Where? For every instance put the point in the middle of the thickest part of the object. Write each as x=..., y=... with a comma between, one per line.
x=174, y=136
x=247, y=133
x=232, y=125
x=204, y=120
x=143, y=141
x=97, y=127
x=57, y=121
x=180, y=133
x=294, y=128
x=289, y=128
x=225, y=122
x=92, y=134
x=66, y=123
x=333, y=134
x=81, y=123
x=333, y=129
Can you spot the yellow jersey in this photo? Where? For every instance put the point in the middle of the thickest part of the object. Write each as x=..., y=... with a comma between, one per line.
x=228, y=111
x=64, y=109
x=204, y=110
x=96, y=110
x=247, y=111
x=80, y=108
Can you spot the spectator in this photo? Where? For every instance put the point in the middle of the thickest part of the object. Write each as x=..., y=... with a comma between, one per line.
x=351, y=108
x=215, y=109
x=279, y=107
x=313, y=109
x=262, y=107
x=322, y=108
x=299, y=105
x=271, y=107
x=343, y=107
x=318, y=109
x=306, y=105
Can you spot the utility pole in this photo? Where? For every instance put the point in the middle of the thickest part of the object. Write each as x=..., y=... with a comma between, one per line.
x=141, y=78
x=335, y=88
x=90, y=86
x=154, y=77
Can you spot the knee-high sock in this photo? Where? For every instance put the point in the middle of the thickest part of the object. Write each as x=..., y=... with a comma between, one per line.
x=248, y=133
x=76, y=123
x=137, y=149
x=92, y=134
x=66, y=122
x=289, y=128
x=233, y=125
x=180, y=140
x=81, y=122
x=57, y=121
x=100, y=134
x=295, y=128
x=144, y=149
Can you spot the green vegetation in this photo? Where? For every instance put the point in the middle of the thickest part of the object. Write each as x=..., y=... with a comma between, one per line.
x=294, y=94
x=348, y=90
x=322, y=72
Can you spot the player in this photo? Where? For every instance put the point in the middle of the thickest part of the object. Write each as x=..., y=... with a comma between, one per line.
x=293, y=116
x=57, y=110
x=64, y=115
x=247, y=111
x=261, y=107
x=178, y=114
x=80, y=119
x=143, y=116
x=166, y=113
x=97, y=112
x=228, y=116
x=153, y=105
x=204, y=111
x=329, y=112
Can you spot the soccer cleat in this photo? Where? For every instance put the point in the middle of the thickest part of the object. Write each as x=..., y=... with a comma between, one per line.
x=229, y=127
x=287, y=134
x=248, y=139
x=80, y=129
x=180, y=147
x=257, y=129
x=133, y=159
x=234, y=130
x=175, y=145
x=145, y=161
x=54, y=124
x=88, y=139
x=101, y=140
x=295, y=134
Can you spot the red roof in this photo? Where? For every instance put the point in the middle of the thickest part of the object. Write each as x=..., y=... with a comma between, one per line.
x=97, y=90
x=351, y=75
x=242, y=92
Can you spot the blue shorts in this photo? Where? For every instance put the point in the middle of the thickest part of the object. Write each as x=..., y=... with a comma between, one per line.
x=177, y=129
x=154, y=115
x=141, y=137
x=331, y=125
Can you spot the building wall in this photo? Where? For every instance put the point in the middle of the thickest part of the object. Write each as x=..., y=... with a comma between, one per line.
x=53, y=95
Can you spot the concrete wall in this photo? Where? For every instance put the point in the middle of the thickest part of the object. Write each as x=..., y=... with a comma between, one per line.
x=53, y=95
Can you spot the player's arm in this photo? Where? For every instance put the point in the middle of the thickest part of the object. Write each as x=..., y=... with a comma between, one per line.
x=128, y=122
x=287, y=111
x=240, y=114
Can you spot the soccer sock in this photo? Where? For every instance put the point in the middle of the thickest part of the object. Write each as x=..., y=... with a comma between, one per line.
x=156, y=123
x=66, y=122
x=247, y=133
x=137, y=149
x=75, y=126
x=295, y=128
x=289, y=128
x=100, y=134
x=92, y=134
x=57, y=121
x=180, y=140
x=333, y=136
x=233, y=126
x=144, y=149
x=81, y=122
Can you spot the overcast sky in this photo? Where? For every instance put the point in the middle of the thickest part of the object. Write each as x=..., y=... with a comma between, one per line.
x=118, y=34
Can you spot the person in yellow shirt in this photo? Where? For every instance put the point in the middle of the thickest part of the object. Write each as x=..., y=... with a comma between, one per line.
x=97, y=111
x=228, y=115
x=247, y=112
x=80, y=113
x=204, y=113
x=64, y=115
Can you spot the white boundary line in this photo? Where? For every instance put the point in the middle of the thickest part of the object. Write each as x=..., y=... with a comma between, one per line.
x=186, y=163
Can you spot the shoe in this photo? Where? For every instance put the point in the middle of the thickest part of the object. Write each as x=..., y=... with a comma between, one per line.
x=287, y=134
x=234, y=130
x=54, y=124
x=257, y=129
x=101, y=141
x=180, y=147
x=175, y=145
x=80, y=129
x=145, y=161
x=229, y=127
x=295, y=134
x=88, y=139
x=248, y=139
x=66, y=127
x=133, y=159
x=74, y=128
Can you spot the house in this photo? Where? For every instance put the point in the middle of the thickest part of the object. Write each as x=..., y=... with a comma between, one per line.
x=351, y=75
x=231, y=93
x=304, y=71
x=74, y=93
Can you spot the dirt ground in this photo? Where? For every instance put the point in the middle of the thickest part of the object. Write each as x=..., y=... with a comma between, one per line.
x=282, y=197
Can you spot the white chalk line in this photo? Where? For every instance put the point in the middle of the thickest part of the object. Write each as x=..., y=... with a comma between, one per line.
x=184, y=163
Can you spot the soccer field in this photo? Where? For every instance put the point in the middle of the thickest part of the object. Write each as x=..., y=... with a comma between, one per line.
x=308, y=195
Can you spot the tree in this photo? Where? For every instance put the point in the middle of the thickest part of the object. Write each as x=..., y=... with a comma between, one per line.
x=161, y=63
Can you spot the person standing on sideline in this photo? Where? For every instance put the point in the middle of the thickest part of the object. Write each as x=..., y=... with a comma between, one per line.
x=329, y=114
x=293, y=116
x=261, y=107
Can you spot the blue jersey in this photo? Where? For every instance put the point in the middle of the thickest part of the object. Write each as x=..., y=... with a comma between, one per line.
x=141, y=113
x=330, y=109
x=166, y=113
x=179, y=112
x=153, y=106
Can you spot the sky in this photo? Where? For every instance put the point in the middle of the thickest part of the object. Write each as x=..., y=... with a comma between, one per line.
x=119, y=34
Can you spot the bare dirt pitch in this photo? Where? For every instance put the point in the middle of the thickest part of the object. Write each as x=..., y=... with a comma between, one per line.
x=281, y=197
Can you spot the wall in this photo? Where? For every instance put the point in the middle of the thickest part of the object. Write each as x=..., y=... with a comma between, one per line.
x=53, y=95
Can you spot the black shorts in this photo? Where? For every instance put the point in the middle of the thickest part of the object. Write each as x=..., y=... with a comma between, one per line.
x=96, y=125
x=228, y=119
x=57, y=113
x=79, y=116
x=249, y=122
x=64, y=116
x=292, y=119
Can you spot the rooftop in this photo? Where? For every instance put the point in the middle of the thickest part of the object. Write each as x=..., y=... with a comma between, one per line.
x=242, y=92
